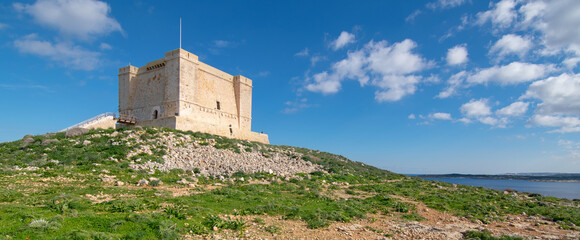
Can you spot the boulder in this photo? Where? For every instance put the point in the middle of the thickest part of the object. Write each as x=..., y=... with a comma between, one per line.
x=75, y=132
x=143, y=182
x=47, y=142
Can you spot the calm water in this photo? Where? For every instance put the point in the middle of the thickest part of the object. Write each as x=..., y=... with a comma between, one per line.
x=554, y=189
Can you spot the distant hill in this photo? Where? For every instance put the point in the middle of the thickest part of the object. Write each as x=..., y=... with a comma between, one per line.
x=547, y=177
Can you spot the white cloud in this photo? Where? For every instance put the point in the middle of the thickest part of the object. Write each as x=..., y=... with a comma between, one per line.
x=222, y=43
x=513, y=73
x=343, y=39
x=457, y=55
x=559, y=94
x=446, y=3
x=514, y=109
x=453, y=84
x=3, y=25
x=324, y=83
x=571, y=62
x=396, y=59
x=388, y=67
x=84, y=19
x=395, y=87
x=441, y=116
x=572, y=147
x=551, y=19
x=488, y=120
x=464, y=120
x=531, y=11
x=353, y=67
x=566, y=124
x=295, y=106
x=481, y=111
x=502, y=15
x=511, y=44
x=68, y=54
x=476, y=108
x=302, y=53
x=554, y=20
x=413, y=15
x=105, y=46
x=411, y=116
x=316, y=59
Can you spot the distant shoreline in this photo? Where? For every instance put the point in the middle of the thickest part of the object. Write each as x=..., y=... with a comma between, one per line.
x=567, y=177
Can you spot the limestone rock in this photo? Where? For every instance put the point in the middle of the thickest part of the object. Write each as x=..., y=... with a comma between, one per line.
x=143, y=182
x=76, y=132
x=183, y=181
x=47, y=142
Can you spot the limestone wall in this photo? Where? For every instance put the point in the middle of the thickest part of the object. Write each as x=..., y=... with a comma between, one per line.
x=103, y=123
x=178, y=91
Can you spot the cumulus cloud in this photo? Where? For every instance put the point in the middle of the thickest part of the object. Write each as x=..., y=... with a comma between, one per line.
x=559, y=105
x=566, y=124
x=343, y=39
x=511, y=44
x=558, y=94
x=68, y=54
x=457, y=55
x=84, y=19
x=453, y=84
x=324, y=83
x=514, y=109
x=446, y=3
x=395, y=87
x=481, y=111
x=513, y=73
x=441, y=116
x=554, y=20
x=502, y=15
x=551, y=19
x=476, y=108
x=397, y=59
x=390, y=68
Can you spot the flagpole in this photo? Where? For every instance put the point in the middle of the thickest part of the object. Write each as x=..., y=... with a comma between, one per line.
x=180, y=33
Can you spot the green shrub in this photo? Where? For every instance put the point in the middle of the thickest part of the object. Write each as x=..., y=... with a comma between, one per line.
x=175, y=211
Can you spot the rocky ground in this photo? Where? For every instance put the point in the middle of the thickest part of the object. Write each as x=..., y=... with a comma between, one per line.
x=184, y=152
x=436, y=225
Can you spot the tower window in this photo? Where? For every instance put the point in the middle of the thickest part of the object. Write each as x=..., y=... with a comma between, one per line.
x=218, y=105
x=155, y=113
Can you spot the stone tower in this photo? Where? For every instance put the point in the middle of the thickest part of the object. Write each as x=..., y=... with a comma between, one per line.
x=180, y=92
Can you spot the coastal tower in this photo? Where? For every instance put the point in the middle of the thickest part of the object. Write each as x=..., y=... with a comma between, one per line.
x=181, y=92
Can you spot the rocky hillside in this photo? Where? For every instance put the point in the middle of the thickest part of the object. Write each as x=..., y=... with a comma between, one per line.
x=166, y=184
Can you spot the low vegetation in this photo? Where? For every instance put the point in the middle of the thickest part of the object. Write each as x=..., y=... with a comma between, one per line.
x=82, y=187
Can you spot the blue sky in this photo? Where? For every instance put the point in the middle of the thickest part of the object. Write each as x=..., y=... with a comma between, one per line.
x=435, y=86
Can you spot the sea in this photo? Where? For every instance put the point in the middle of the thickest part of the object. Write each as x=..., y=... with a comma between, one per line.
x=569, y=190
